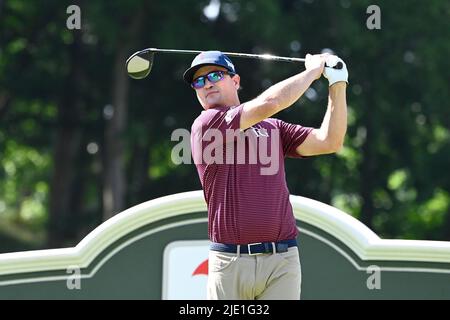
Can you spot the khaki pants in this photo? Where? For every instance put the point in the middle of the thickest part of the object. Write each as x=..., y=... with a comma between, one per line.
x=261, y=277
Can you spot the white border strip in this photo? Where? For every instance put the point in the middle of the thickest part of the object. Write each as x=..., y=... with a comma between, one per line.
x=360, y=239
x=358, y=267
x=196, y=242
x=108, y=256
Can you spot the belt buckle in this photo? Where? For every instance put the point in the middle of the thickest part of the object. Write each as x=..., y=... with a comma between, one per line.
x=250, y=252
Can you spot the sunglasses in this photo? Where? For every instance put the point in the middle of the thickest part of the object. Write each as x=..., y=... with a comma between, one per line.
x=213, y=77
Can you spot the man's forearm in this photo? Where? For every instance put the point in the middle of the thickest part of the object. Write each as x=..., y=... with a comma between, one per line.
x=282, y=94
x=285, y=93
x=334, y=125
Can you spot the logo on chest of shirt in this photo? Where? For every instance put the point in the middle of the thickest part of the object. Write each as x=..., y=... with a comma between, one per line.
x=259, y=132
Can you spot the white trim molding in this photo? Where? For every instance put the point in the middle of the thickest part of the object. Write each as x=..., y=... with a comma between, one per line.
x=363, y=241
x=360, y=239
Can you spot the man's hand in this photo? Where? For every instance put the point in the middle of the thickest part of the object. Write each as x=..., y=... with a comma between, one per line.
x=315, y=63
x=335, y=75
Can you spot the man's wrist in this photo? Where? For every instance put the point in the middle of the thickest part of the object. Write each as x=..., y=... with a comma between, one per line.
x=338, y=85
x=313, y=74
x=337, y=89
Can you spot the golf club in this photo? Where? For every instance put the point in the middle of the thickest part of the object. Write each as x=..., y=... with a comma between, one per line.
x=140, y=63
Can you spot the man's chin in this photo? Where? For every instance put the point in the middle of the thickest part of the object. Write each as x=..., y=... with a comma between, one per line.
x=213, y=104
x=208, y=104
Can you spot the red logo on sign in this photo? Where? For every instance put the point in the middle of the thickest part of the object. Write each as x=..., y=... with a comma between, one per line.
x=201, y=269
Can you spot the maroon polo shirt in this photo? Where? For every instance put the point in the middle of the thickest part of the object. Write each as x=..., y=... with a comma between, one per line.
x=243, y=177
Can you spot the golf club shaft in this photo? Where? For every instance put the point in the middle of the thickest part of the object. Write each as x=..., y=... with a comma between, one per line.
x=231, y=54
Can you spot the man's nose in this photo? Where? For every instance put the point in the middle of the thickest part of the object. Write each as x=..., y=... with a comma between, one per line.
x=208, y=84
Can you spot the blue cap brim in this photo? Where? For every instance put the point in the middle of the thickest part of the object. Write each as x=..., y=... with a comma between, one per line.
x=189, y=73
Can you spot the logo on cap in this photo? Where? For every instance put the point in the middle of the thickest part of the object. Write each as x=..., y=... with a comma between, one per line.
x=229, y=64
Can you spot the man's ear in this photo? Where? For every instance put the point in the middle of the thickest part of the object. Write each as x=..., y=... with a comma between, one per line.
x=237, y=81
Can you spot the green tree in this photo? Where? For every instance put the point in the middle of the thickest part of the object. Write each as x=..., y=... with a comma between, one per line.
x=80, y=141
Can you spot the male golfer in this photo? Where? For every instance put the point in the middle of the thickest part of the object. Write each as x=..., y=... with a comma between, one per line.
x=253, y=252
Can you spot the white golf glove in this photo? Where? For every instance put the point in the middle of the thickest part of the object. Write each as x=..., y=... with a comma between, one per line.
x=335, y=75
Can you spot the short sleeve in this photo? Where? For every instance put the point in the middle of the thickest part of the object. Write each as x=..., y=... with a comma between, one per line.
x=292, y=136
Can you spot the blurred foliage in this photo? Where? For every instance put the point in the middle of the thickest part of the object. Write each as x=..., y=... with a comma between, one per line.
x=392, y=174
